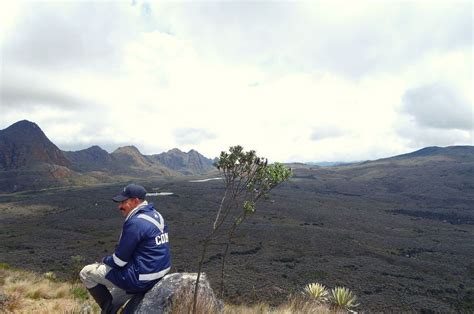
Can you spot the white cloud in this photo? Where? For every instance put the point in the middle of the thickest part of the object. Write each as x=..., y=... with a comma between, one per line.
x=273, y=77
x=417, y=136
x=326, y=132
x=69, y=35
x=192, y=136
x=438, y=106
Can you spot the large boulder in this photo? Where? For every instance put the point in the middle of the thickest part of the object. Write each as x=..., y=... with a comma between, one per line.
x=174, y=293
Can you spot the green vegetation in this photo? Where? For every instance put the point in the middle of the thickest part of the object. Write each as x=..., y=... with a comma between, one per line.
x=247, y=178
x=340, y=299
x=317, y=292
x=343, y=298
x=79, y=292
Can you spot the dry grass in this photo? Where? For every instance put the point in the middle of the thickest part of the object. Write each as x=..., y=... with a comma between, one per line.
x=184, y=303
x=295, y=304
x=26, y=292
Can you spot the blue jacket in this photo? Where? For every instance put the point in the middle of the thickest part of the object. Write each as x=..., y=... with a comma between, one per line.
x=142, y=256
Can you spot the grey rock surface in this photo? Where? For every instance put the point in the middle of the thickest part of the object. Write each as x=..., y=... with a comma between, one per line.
x=176, y=290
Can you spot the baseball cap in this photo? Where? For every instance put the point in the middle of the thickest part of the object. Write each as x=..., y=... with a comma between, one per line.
x=130, y=191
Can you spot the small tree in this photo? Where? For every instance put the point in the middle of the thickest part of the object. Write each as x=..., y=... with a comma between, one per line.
x=247, y=178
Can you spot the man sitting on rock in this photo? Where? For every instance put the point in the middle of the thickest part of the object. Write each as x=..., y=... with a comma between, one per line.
x=141, y=257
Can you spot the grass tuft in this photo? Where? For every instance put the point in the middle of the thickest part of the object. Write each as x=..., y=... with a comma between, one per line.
x=343, y=298
x=183, y=303
x=79, y=293
x=317, y=292
x=295, y=304
x=51, y=276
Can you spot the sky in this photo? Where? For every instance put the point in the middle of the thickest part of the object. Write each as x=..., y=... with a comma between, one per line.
x=295, y=81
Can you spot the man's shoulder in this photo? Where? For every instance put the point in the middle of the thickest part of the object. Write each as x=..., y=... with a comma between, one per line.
x=143, y=213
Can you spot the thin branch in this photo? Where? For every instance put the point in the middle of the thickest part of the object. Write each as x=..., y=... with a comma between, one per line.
x=220, y=209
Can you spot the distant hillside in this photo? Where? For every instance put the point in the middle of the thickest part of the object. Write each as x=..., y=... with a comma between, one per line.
x=458, y=153
x=125, y=160
x=93, y=158
x=433, y=172
x=191, y=162
x=29, y=160
x=329, y=163
x=129, y=160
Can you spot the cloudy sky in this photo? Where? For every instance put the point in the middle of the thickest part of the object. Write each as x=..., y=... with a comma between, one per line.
x=295, y=81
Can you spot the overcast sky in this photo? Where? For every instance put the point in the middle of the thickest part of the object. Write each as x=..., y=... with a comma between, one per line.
x=295, y=81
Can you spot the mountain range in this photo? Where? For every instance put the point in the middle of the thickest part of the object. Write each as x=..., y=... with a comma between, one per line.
x=29, y=160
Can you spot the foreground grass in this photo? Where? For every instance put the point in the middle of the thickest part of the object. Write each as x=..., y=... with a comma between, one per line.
x=27, y=292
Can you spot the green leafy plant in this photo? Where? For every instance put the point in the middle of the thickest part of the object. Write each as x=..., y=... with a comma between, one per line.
x=79, y=292
x=343, y=298
x=317, y=292
x=248, y=179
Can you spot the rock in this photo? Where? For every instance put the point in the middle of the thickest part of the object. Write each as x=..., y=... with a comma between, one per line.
x=179, y=287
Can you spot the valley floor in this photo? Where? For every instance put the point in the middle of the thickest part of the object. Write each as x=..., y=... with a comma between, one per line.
x=376, y=239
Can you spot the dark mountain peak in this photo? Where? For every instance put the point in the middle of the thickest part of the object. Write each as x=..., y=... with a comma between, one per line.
x=24, y=128
x=24, y=143
x=24, y=124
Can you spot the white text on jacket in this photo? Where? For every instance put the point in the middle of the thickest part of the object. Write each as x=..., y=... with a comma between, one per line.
x=162, y=239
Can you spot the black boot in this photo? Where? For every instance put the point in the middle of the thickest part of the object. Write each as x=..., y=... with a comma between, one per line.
x=102, y=296
x=133, y=303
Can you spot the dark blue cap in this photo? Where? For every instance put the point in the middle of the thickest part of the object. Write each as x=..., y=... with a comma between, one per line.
x=131, y=191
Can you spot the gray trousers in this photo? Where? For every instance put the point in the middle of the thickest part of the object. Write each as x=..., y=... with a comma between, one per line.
x=94, y=274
